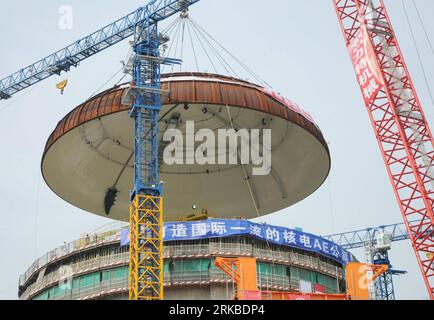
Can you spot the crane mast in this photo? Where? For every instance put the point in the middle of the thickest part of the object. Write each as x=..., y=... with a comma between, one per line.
x=377, y=243
x=146, y=209
x=144, y=95
x=400, y=126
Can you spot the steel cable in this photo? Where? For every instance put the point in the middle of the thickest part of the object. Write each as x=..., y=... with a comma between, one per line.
x=243, y=65
x=193, y=48
x=204, y=49
x=418, y=53
x=219, y=57
x=423, y=27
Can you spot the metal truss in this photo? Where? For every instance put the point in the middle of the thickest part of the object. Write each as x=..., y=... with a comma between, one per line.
x=360, y=238
x=72, y=55
x=146, y=218
x=384, y=288
x=146, y=268
x=400, y=126
x=146, y=259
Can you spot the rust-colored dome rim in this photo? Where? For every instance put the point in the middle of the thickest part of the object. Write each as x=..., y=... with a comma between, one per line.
x=308, y=125
x=285, y=113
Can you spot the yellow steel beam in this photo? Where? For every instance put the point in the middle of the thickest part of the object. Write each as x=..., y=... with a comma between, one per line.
x=146, y=248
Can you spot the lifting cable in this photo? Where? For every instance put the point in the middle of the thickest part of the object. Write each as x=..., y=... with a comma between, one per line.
x=177, y=37
x=192, y=47
x=175, y=30
x=243, y=65
x=118, y=72
x=219, y=56
x=247, y=179
x=418, y=53
x=105, y=83
x=171, y=33
x=182, y=42
x=171, y=26
x=423, y=27
x=204, y=50
x=215, y=53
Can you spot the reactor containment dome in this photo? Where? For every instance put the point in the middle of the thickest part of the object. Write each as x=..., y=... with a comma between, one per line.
x=91, y=150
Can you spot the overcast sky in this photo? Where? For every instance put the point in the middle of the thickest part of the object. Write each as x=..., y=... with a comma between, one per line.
x=297, y=46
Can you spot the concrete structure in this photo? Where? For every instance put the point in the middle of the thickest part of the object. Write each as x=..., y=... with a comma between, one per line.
x=96, y=267
x=91, y=152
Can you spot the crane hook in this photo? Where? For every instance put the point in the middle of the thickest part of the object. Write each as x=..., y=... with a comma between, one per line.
x=61, y=86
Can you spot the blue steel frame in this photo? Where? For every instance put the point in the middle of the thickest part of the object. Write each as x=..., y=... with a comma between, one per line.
x=145, y=109
x=143, y=24
x=384, y=287
x=146, y=200
x=359, y=238
x=72, y=55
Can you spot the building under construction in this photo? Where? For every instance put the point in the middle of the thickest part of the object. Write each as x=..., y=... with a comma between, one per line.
x=96, y=266
x=92, y=149
x=108, y=154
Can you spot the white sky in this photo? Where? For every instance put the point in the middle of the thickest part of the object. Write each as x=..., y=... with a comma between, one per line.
x=297, y=46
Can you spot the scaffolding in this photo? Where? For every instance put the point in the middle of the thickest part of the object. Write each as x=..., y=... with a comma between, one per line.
x=186, y=264
x=146, y=259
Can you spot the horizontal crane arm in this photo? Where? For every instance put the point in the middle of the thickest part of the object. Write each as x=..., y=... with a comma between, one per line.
x=72, y=55
x=359, y=238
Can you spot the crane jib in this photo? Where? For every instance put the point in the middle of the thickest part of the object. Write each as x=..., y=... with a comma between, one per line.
x=71, y=56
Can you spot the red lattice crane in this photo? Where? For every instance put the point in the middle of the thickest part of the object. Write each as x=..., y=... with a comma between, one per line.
x=403, y=134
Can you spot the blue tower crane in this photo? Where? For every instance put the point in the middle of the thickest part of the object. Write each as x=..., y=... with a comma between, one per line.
x=146, y=211
x=377, y=242
x=359, y=238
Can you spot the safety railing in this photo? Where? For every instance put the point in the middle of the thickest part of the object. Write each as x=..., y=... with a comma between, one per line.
x=195, y=277
x=266, y=281
x=68, y=249
x=92, y=291
x=212, y=247
x=107, y=287
x=119, y=286
x=270, y=281
x=73, y=270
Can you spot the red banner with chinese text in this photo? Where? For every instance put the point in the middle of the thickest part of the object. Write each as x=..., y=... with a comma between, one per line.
x=365, y=65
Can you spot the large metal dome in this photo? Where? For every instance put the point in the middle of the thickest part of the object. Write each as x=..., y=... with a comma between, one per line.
x=90, y=150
